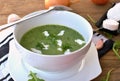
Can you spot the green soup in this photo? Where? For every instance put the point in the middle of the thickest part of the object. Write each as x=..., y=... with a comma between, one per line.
x=52, y=40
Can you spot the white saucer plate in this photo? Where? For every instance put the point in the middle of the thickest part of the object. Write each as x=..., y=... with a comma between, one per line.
x=90, y=70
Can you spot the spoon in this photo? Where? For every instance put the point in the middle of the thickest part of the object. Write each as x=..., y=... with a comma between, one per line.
x=59, y=8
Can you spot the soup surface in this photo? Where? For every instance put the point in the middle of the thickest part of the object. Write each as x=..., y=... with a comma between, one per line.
x=52, y=40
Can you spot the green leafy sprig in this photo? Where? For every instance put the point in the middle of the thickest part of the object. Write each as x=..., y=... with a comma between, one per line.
x=66, y=46
x=34, y=77
x=116, y=48
x=39, y=46
x=107, y=76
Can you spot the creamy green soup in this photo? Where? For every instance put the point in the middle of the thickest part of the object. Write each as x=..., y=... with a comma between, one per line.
x=52, y=40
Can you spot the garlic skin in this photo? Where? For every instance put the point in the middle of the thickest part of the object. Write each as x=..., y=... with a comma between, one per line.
x=13, y=18
x=99, y=44
x=110, y=24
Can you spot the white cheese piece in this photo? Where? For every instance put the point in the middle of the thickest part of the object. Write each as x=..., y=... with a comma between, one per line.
x=114, y=12
x=60, y=49
x=110, y=24
x=36, y=51
x=46, y=33
x=61, y=33
x=45, y=46
x=59, y=42
x=79, y=41
x=67, y=52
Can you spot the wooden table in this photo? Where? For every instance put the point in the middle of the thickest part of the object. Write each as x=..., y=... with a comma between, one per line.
x=82, y=7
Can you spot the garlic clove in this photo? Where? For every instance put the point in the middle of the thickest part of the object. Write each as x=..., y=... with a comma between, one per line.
x=110, y=24
x=13, y=18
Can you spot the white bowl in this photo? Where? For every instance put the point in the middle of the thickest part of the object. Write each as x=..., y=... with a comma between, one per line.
x=55, y=63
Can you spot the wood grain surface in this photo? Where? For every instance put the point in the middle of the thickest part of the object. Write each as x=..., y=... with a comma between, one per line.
x=82, y=7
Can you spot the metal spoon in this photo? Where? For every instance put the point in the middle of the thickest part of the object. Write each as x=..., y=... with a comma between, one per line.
x=59, y=8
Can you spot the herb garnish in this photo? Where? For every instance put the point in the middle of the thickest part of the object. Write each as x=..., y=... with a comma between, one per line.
x=34, y=77
x=107, y=76
x=39, y=46
x=66, y=46
x=53, y=38
x=116, y=48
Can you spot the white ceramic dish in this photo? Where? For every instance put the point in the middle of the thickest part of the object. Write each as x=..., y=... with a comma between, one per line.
x=57, y=63
x=90, y=70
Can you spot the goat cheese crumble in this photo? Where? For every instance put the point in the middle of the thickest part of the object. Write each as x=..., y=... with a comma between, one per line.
x=61, y=33
x=79, y=41
x=67, y=51
x=46, y=33
x=36, y=51
x=59, y=42
x=45, y=46
x=60, y=49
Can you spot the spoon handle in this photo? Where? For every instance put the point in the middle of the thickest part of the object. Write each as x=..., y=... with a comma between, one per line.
x=21, y=20
x=59, y=8
x=5, y=26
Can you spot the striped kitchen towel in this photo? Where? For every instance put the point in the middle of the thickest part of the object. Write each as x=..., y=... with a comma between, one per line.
x=5, y=37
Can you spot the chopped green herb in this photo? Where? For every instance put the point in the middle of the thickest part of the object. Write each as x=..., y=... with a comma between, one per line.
x=39, y=46
x=34, y=77
x=116, y=48
x=66, y=46
x=53, y=38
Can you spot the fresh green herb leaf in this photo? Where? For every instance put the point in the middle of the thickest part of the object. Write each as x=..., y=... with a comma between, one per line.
x=34, y=77
x=65, y=47
x=107, y=76
x=90, y=18
x=116, y=48
x=53, y=38
x=39, y=46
